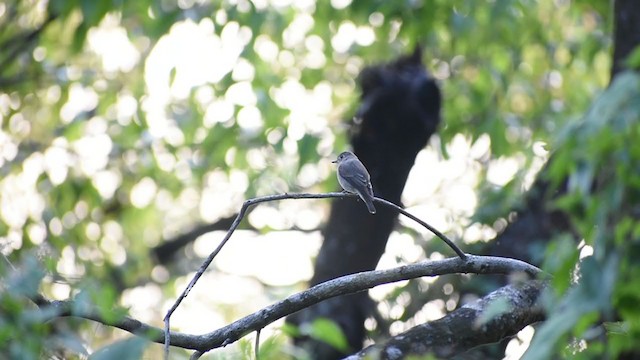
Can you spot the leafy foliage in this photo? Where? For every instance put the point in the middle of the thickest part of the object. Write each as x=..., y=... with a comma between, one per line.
x=600, y=156
x=109, y=146
x=129, y=349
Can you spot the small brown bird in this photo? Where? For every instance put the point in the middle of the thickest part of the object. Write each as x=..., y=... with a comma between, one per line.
x=354, y=178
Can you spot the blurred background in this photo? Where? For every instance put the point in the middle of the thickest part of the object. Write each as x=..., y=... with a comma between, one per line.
x=131, y=133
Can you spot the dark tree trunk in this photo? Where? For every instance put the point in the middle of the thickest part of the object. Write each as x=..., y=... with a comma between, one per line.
x=399, y=112
x=626, y=31
x=535, y=225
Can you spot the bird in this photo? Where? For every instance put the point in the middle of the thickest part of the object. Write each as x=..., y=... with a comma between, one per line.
x=354, y=178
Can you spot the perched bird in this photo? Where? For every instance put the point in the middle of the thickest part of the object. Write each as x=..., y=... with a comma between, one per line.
x=354, y=178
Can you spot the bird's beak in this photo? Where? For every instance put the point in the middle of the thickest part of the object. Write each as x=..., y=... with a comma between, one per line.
x=335, y=161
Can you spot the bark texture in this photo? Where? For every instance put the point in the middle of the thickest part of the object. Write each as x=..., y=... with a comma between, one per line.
x=465, y=327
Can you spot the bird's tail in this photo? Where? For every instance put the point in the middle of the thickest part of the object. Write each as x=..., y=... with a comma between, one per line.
x=370, y=207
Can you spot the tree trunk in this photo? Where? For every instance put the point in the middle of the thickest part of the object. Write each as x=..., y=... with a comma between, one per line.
x=626, y=32
x=399, y=112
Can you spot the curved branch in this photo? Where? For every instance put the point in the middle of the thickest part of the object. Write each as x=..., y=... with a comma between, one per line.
x=437, y=233
x=241, y=215
x=341, y=286
x=353, y=283
x=52, y=309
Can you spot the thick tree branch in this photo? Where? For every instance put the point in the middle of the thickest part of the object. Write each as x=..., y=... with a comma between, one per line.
x=241, y=214
x=353, y=283
x=516, y=306
x=344, y=285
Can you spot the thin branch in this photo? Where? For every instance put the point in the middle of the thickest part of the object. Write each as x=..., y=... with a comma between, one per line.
x=437, y=233
x=348, y=284
x=6, y=259
x=69, y=308
x=257, y=346
x=238, y=219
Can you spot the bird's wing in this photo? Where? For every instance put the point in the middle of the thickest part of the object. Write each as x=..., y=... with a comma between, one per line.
x=355, y=173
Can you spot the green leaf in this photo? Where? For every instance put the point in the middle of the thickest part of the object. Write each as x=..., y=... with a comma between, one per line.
x=327, y=331
x=576, y=311
x=26, y=281
x=129, y=349
x=93, y=11
x=633, y=60
x=582, y=179
x=62, y=7
x=74, y=130
x=496, y=308
x=557, y=325
x=560, y=259
x=290, y=330
x=307, y=148
x=79, y=36
x=617, y=327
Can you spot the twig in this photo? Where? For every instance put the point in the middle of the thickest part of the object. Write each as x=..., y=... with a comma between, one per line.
x=257, y=346
x=13, y=268
x=437, y=233
x=238, y=219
